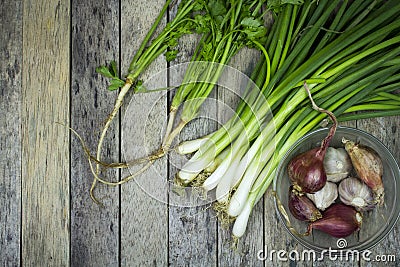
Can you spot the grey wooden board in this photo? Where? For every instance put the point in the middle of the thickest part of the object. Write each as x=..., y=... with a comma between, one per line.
x=38, y=181
x=45, y=144
x=95, y=41
x=386, y=130
x=191, y=228
x=144, y=218
x=10, y=134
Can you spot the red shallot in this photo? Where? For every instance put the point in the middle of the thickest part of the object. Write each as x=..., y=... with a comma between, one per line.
x=338, y=220
x=306, y=171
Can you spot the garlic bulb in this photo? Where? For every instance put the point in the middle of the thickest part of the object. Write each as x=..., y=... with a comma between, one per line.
x=324, y=197
x=337, y=164
x=353, y=192
x=368, y=166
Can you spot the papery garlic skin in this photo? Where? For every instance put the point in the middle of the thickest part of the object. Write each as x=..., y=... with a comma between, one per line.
x=337, y=164
x=324, y=197
x=353, y=192
x=368, y=166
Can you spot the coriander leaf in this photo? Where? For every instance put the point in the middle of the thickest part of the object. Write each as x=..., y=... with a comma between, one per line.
x=276, y=5
x=217, y=10
x=202, y=23
x=115, y=84
x=251, y=22
x=172, y=42
x=171, y=55
x=207, y=51
x=198, y=6
x=253, y=28
x=255, y=33
x=103, y=70
x=293, y=2
x=113, y=68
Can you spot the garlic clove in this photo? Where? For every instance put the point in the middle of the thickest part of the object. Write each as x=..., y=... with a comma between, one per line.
x=324, y=197
x=337, y=164
x=353, y=192
x=336, y=177
x=368, y=166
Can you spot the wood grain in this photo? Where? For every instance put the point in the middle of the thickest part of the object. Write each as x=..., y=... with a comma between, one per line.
x=192, y=229
x=45, y=151
x=144, y=217
x=10, y=134
x=95, y=42
x=49, y=50
x=386, y=130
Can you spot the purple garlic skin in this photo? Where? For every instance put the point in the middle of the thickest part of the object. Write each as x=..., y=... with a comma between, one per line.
x=368, y=166
x=306, y=171
x=302, y=208
x=338, y=220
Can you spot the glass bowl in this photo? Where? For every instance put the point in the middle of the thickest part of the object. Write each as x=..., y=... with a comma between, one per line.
x=376, y=223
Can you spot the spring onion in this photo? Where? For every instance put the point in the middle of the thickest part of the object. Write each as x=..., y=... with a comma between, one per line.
x=355, y=62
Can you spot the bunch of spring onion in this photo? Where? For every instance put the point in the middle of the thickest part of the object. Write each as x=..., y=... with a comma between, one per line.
x=225, y=28
x=150, y=49
x=348, y=54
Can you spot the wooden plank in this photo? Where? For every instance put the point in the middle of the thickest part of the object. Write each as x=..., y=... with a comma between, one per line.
x=192, y=222
x=95, y=42
x=387, y=130
x=10, y=134
x=144, y=217
x=246, y=252
x=192, y=228
x=45, y=151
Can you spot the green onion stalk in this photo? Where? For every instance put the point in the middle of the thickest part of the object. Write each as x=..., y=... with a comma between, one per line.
x=350, y=62
x=201, y=159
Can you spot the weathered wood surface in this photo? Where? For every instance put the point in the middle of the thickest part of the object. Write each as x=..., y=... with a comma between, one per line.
x=45, y=236
x=94, y=40
x=144, y=219
x=10, y=133
x=192, y=232
x=49, y=51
